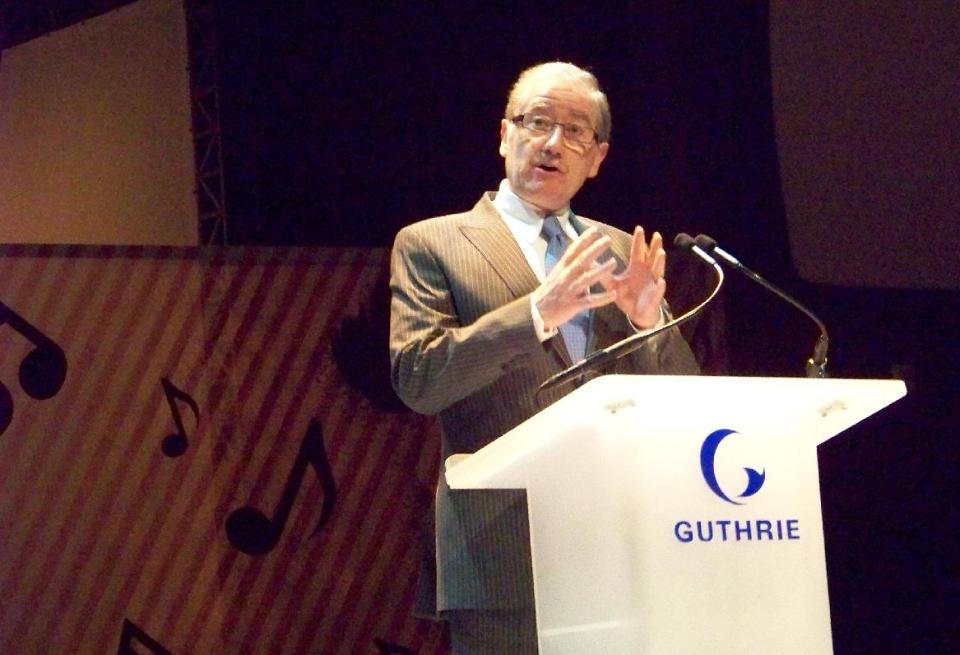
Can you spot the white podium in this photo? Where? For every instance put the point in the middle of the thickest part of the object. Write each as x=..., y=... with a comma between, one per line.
x=678, y=514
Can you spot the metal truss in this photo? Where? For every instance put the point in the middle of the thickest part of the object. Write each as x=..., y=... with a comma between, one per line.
x=205, y=112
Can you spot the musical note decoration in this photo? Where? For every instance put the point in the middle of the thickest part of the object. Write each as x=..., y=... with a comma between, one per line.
x=251, y=532
x=6, y=408
x=132, y=633
x=42, y=371
x=176, y=443
x=386, y=648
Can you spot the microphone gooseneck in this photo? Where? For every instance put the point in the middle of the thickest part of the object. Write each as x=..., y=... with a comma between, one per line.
x=626, y=346
x=816, y=366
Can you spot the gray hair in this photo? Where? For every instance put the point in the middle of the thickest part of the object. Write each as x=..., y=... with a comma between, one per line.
x=571, y=73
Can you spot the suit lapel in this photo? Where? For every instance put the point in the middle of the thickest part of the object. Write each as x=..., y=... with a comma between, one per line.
x=493, y=239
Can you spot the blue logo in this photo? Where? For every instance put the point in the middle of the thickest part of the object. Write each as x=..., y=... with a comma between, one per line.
x=708, y=453
x=720, y=530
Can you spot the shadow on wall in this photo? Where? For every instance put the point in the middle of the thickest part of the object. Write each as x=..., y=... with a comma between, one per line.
x=361, y=348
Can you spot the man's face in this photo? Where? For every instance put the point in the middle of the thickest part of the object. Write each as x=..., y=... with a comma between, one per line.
x=543, y=169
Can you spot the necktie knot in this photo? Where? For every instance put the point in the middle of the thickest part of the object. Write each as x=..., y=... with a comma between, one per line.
x=552, y=229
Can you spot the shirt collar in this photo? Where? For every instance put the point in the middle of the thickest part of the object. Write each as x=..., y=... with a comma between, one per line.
x=513, y=208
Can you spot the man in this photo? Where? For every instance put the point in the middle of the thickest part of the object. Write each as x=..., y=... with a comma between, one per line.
x=478, y=323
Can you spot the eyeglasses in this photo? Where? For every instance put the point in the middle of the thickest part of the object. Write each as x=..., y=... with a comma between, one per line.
x=576, y=135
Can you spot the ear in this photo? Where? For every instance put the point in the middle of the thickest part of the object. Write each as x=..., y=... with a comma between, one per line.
x=503, y=136
x=598, y=158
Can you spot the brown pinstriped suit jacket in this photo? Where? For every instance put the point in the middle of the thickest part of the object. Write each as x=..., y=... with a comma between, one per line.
x=463, y=345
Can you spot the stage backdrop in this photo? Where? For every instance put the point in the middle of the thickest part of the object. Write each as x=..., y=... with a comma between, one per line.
x=95, y=135
x=185, y=467
x=866, y=97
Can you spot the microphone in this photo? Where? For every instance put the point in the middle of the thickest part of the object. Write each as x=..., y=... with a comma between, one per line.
x=816, y=366
x=626, y=346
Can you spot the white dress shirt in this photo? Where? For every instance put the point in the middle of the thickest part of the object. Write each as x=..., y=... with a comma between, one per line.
x=526, y=224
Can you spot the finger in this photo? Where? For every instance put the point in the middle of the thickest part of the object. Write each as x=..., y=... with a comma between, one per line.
x=659, y=265
x=582, y=242
x=608, y=281
x=639, y=273
x=656, y=243
x=656, y=247
x=638, y=248
x=595, y=274
x=587, y=256
x=593, y=300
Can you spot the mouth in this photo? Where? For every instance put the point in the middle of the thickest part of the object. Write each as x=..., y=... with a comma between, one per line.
x=548, y=168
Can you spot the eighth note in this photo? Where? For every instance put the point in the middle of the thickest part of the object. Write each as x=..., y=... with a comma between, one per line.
x=132, y=633
x=175, y=444
x=251, y=532
x=42, y=371
x=6, y=408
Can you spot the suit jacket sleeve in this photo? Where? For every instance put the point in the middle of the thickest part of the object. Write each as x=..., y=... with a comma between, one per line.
x=435, y=360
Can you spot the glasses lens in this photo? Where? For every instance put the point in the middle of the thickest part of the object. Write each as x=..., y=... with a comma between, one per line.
x=538, y=123
x=575, y=134
x=578, y=133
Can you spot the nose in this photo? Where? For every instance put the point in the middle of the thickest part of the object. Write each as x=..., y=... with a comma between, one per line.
x=554, y=138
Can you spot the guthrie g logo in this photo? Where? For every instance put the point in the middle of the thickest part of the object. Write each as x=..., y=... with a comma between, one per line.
x=708, y=453
x=724, y=530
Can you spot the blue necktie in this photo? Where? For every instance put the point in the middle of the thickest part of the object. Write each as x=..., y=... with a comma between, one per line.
x=574, y=331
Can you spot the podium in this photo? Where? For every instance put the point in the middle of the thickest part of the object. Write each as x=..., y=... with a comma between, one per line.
x=675, y=514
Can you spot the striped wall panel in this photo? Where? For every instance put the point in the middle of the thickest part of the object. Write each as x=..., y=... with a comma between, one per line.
x=184, y=467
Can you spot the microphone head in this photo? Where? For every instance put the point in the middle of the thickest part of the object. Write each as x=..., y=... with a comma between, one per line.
x=705, y=242
x=684, y=241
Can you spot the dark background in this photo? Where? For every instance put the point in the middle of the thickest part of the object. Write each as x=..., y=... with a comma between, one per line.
x=342, y=122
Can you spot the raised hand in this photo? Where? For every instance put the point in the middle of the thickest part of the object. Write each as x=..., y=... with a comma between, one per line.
x=640, y=288
x=566, y=289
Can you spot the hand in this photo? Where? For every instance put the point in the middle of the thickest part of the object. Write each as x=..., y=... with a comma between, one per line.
x=566, y=291
x=640, y=288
